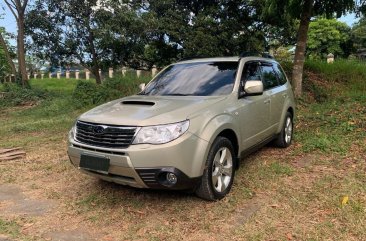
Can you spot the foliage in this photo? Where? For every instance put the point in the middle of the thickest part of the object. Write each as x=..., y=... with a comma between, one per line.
x=141, y=34
x=15, y=95
x=87, y=93
x=209, y=28
x=278, y=11
x=5, y=67
x=18, y=9
x=359, y=34
x=328, y=36
x=341, y=71
x=91, y=32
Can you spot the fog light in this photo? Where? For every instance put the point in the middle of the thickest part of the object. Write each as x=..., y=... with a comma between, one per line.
x=171, y=178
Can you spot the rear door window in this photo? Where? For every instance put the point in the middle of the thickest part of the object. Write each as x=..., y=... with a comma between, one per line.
x=269, y=77
x=281, y=75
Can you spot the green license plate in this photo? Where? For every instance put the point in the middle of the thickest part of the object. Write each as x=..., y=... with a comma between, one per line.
x=94, y=163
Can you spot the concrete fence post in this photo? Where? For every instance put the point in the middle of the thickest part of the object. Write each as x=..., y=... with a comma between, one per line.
x=138, y=73
x=67, y=74
x=50, y=75
x=110, y=73
x=124, y=71
x=77, y=72
x=42, y=76
x=154, y=71
x=100, y=74
x=330, y=58
x=35, y=75
x=87, y=74
x=58, y=74
x=28, y=75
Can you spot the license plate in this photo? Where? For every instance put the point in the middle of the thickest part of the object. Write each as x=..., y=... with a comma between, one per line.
x=94, y=163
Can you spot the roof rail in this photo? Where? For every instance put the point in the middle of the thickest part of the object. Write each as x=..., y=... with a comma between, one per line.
x=193, y=57
x=256, y=54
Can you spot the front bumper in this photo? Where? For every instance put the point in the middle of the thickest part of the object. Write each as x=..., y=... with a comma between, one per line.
x=145, y=166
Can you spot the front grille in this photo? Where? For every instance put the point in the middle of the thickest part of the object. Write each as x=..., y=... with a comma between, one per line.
x=104, y=135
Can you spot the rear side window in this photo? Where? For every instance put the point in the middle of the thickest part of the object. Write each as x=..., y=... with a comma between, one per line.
x=281, y=75
x=269, y=77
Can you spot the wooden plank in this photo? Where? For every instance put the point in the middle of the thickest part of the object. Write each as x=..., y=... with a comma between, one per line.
x=2, y=151
x=10, y=154
x=11, y=158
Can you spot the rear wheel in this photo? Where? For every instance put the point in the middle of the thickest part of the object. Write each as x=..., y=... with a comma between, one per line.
x=285, y=137
x=219, y=173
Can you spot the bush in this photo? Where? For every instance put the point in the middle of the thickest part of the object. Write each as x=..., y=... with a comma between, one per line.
x=15, y=95
x=87, y=93
x=341, y=71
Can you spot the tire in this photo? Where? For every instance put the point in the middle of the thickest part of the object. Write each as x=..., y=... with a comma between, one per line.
x=285, y=137
x=218, y=175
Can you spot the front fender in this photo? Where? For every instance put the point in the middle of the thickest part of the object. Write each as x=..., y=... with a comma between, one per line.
x=212, y=128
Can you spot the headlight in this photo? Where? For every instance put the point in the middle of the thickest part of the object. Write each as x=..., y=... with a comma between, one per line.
x=72, y=132
x=161, y=134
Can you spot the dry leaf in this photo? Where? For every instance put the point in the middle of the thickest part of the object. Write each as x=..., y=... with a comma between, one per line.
x=345, y=201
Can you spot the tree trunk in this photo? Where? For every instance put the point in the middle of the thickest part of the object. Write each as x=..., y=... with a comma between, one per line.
x=95, y=70
x=302, y=38
x=95, y=62
x=7, y=55
x=21, y=51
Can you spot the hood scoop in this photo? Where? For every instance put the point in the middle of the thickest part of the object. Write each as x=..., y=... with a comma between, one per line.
x=138, y=102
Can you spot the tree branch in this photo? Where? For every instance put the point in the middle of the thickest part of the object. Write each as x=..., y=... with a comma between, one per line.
x=12, y=7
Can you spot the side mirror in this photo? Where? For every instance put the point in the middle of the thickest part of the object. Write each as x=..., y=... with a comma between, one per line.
x=142, y=86
x=253, y=87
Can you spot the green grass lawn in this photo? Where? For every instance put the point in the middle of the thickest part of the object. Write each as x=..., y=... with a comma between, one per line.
x=63, y=85
x=278, y=194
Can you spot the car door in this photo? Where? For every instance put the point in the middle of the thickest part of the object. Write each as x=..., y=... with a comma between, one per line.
x=276, y=90
x=253, y=110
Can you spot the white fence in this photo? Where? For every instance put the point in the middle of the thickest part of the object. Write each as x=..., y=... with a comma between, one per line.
x=86, y=74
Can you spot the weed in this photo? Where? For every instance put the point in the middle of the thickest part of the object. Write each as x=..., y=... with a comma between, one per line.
x=10, y=228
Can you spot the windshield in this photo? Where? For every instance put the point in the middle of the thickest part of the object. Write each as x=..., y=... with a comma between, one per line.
x=197, y=79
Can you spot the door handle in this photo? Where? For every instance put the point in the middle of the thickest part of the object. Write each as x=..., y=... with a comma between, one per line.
x=267, y=101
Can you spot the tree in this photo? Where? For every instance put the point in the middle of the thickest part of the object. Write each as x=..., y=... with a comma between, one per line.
x=206, y=28
x=359, y=34
x=304, y=10
x=328, y=36
x=6, y=60
x=91, y=33
x=18, y=9
x=63, y=31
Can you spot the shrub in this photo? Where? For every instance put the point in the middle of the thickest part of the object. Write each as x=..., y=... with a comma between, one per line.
x=341, y=71
x=87, y=93
x=15, y=95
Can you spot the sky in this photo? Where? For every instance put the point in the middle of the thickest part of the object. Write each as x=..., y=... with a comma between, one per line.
x=8, y=20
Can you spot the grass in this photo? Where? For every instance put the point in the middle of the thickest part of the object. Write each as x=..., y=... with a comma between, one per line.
x=291, y=194
x=10, y=228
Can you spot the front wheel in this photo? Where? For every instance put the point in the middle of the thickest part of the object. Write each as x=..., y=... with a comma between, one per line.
x=218, y=175
x=285, y=137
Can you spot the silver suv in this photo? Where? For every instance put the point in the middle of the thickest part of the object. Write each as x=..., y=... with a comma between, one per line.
x=189, y=127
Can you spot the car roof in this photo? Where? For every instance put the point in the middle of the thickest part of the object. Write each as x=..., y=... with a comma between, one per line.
x=225, y=59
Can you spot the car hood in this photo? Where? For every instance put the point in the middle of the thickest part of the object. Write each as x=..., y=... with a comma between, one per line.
x=149, y=110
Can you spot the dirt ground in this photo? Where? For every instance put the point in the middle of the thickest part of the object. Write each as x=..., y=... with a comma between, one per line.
x=42, y=197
